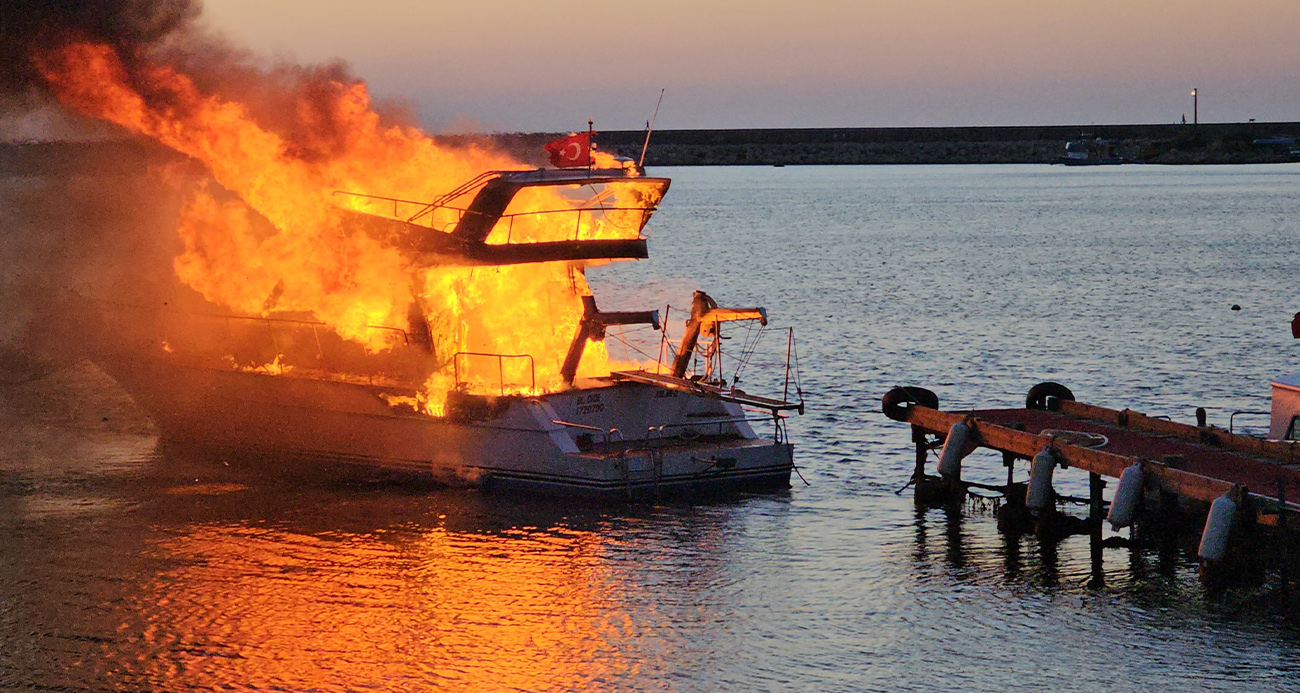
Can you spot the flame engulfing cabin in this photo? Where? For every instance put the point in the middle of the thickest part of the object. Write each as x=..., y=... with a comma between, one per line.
x=449, y=393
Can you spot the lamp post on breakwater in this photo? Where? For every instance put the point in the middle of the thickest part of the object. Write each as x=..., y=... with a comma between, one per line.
x=1194, y=114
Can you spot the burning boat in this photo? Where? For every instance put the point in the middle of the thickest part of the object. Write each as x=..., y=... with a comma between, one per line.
x=412, y=399
x=357, y=291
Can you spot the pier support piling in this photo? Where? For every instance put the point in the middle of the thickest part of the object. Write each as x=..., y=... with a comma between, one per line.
x=1013, y=517
x=1283, y=559
x=1095, y=487
x=918, y=438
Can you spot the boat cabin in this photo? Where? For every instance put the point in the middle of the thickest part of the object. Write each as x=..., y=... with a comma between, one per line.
x=510, y=217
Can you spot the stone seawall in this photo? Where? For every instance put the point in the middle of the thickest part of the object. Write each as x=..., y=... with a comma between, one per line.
x=1214, y=143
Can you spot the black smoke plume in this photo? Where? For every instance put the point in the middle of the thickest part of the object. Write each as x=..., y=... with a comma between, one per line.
x=132, y=26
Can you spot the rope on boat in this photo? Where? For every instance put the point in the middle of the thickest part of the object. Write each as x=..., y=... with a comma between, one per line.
x=748, y=349
x=627, y=344
x=798, y=384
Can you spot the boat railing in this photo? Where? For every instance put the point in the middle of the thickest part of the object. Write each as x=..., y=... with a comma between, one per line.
x=672, y=434
x=274, y=331
x=791, y=383
x=422, y=212
x=270, y=322
x=422, y=209
x=605, y=434
x=441, y=201
x=578, y=213
x=427, y=209
x=463, y=384
x=1232, y=418
x=660, y=432
x=281, y=344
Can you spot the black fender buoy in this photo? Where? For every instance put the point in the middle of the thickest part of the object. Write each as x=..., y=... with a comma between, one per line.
x=896, y=402
x=1038, y=394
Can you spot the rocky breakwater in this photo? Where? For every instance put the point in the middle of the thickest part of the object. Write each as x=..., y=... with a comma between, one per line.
x=1218, y=143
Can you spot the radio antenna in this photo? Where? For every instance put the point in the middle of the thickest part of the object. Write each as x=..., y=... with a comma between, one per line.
x=650, y=128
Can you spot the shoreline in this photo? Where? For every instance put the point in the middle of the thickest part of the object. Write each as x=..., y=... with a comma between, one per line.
x=1208, y=143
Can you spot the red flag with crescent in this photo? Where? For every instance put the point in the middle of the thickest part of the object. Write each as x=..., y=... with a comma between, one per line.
x=571, y=151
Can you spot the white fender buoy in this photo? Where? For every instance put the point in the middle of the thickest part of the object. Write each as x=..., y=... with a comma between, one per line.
x=955, y=447
x=1040, y=495
x=1123, y=507
x=1218, y=525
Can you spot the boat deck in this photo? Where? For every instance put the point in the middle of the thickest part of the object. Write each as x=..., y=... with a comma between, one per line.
x=706, y=390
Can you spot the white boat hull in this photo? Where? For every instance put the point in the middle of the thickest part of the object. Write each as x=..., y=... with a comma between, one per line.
x=611, y=439
x=1286, y=407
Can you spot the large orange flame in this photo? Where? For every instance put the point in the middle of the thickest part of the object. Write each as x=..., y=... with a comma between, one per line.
x=305, y=261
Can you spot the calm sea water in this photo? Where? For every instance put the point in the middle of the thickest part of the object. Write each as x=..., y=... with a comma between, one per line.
x=122, y=567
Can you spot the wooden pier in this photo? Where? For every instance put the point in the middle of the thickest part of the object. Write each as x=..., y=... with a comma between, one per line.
x=1176, y=460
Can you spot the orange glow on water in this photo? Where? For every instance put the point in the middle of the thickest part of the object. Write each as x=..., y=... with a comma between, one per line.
x=512, y=610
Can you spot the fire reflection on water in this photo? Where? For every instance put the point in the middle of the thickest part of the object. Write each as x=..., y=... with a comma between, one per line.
x=124, y=566
x=513, y=610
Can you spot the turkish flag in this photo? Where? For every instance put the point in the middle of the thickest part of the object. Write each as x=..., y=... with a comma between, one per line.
x=571, y=151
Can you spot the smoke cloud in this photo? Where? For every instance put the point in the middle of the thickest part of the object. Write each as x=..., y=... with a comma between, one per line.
x=99, y=220
x=294, y=101
x=76, y=218
x=132, y=26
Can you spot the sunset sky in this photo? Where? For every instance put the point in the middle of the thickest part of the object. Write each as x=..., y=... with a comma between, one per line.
x=508, y=65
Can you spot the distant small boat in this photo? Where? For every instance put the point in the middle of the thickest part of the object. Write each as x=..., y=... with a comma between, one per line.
x=1091, y=152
